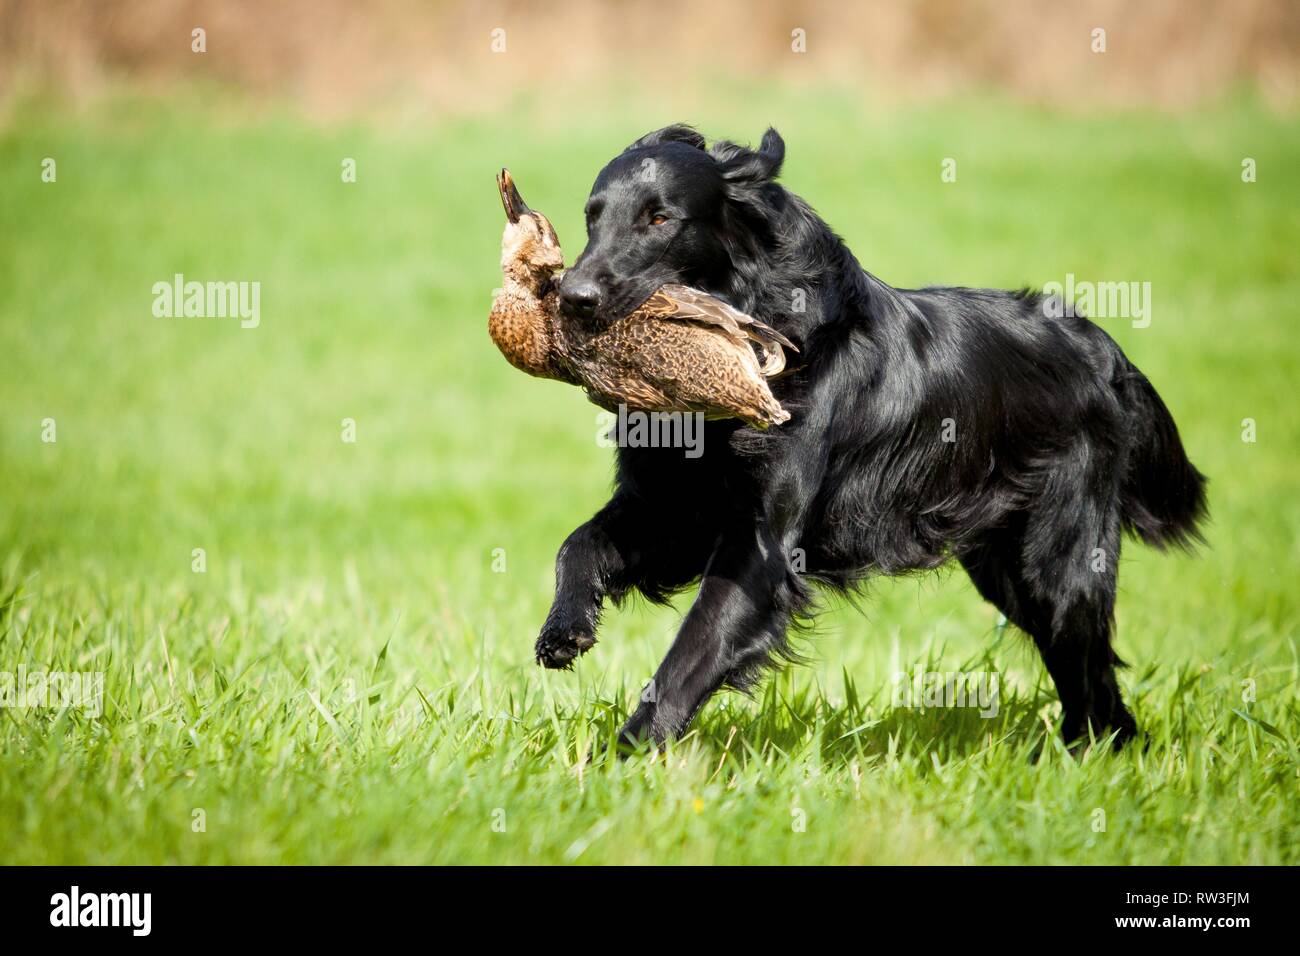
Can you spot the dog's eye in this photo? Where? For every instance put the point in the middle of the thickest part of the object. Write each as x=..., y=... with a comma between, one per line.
x=658, y=219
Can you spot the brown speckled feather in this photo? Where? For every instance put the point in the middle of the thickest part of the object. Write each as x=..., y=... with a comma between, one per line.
x=682, y=303
x=695, y=367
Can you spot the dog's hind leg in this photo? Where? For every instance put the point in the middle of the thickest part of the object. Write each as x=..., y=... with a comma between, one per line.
x=1052, y=572
x=1070, y=565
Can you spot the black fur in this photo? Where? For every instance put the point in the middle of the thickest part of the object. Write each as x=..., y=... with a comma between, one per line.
x=1056, y=444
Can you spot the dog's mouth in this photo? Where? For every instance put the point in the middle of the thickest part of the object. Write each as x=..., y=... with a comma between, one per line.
x=511, y=201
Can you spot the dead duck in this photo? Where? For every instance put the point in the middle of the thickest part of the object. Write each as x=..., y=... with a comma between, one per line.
x=682, y=350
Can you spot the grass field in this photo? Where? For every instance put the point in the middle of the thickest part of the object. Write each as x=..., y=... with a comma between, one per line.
x=350, y=680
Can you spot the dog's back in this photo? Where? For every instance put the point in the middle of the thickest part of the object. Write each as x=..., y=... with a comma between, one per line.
x=958, y=409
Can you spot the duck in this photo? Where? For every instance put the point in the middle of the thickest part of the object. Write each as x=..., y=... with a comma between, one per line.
x=681, y=350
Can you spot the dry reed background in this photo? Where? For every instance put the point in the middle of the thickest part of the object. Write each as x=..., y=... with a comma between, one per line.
x=334, y=57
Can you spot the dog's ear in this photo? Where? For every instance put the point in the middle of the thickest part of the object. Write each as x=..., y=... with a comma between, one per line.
x=677, y=133
x=741, y=166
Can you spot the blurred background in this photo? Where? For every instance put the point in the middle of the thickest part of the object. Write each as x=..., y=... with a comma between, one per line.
x=433, y=58
x=1104, y=139
x=1162, y=149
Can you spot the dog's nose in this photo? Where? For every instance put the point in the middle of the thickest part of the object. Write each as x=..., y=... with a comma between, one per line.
x=580, y=298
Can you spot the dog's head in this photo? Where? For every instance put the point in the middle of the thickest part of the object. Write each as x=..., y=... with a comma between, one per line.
x=666, y=210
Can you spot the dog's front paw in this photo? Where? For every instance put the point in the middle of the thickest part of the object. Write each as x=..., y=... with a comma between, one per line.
x=559, y=645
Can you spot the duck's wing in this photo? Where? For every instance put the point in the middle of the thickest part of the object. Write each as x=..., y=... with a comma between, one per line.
x=683, y=303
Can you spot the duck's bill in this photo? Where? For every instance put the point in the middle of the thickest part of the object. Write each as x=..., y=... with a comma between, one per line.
x=510, y=199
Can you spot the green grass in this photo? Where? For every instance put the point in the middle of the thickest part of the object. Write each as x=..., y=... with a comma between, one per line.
x=351, y=681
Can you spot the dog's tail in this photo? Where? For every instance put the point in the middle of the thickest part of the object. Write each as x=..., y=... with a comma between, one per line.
x=1162, y=495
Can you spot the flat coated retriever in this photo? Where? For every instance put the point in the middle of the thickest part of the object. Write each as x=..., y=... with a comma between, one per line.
x=998, y=428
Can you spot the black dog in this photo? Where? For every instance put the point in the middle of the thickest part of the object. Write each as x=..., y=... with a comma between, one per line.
x=998, y=428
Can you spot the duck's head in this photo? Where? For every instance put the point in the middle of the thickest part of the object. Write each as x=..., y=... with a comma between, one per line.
x=529, y=246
